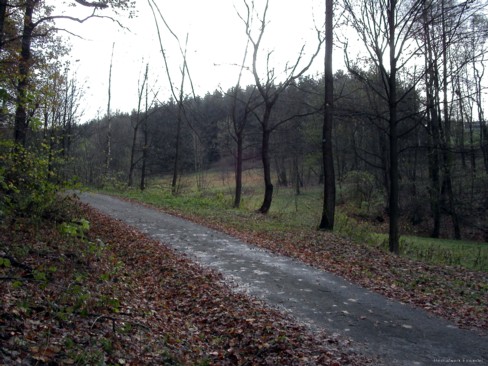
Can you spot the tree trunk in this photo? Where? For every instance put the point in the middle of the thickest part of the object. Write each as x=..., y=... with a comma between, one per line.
x=435, y=187
x=108, y=141
x=144, y=159
x=394, y=237
x=385, y=164
x=133, y=153
x=137, y=125
x=328, y=209
x=145, y=146
x=268, y=185
x=3, y=14
x=21, y=120
x=238, y=172
x=433, y=126
x=394, y=186
x=176, y=164
x=297, y=177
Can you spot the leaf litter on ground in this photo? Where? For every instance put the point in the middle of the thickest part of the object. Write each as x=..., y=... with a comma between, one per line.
x=114, y=296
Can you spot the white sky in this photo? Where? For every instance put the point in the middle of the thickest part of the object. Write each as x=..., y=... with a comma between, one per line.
x=216, y=44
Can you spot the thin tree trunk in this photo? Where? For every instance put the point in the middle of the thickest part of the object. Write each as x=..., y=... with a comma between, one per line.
x=145, y=144
x=462, y=124
x=328, y=208
x=108, y=143
x=144, y=157
x=144, y=160
x=136, y=128
x=296, y=174
x=394, y=236
x=133, y=153
x=238, y=171
x=176, y=165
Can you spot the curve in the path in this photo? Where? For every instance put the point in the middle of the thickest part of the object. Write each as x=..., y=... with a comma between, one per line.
x=398, y=333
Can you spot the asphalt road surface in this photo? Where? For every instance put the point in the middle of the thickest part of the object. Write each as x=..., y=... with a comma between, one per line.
x=397, y=333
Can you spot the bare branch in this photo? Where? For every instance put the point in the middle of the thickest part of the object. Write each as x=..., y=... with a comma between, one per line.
x=79, y=20
x=95, y=5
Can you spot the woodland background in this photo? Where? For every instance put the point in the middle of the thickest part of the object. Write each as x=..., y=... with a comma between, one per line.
x=432, y=81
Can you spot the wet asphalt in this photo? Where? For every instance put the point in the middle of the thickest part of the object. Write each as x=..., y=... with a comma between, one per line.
x=398, y=333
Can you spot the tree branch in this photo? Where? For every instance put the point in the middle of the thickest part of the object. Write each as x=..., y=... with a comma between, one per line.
x=95, y=5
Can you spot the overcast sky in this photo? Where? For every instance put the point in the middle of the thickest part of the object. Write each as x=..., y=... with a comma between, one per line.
x=216, y=44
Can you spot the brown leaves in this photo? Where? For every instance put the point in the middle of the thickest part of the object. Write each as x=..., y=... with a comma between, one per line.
x=125, y=299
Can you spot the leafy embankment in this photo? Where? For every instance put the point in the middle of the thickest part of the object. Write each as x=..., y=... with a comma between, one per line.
x=109, y=295
x=454, y=293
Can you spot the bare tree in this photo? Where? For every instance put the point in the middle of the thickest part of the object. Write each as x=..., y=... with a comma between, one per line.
x=108, y=141
x=137, y=124
x=385, y=28
x=145, y=144
x=269, y=90
x=241, y=110
x=177, y=95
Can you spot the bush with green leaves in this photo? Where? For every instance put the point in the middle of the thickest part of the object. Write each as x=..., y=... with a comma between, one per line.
x=28, y=182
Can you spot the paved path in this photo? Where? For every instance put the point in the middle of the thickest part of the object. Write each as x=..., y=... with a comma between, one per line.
x=399, y=334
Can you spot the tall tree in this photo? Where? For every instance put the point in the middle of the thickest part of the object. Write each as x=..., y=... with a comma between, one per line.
x=328, y=211
x=108, y=138
x=270, y=91
x=37, y=16
x=139, y=119
x=178, y=95
x=21, y=120
x=386, y=28
x=241, y=110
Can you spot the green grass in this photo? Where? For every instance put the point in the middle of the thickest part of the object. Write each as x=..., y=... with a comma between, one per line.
x=290, y=212
x=463, y=253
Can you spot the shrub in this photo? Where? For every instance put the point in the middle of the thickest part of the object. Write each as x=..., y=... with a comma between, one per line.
x=28, y=183
x=360, y=192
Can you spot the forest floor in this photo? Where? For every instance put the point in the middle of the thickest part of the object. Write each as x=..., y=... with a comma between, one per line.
x=98, y=292
x=397, y=331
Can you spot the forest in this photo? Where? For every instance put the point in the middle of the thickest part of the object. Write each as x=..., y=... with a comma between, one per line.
x=408, y=130
x=392, y=143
